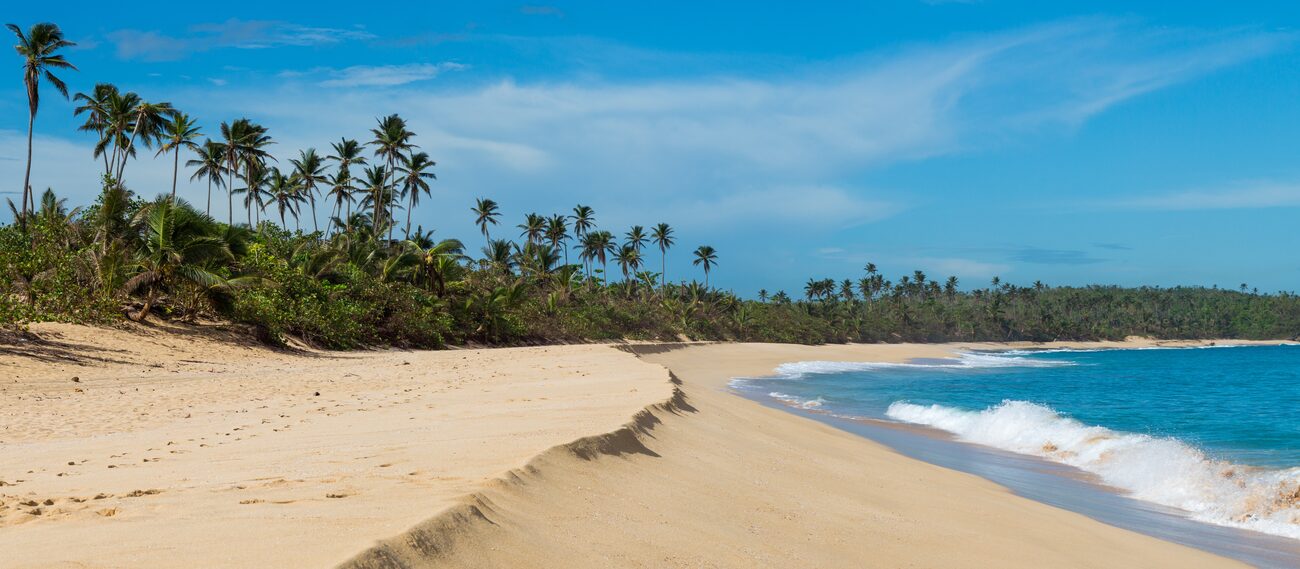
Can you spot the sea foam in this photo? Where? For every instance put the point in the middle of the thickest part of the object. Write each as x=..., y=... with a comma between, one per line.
x=1162, y=470
x=966, y=360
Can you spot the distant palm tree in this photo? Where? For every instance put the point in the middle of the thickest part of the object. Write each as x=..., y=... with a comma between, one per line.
x=378, y=194
x=38, y=47
x=628, y=258
x=347, y=152
x=707, y=257
x=244, y=143
x=415, y=179
x=210, y=166
x=602, y=244
x=662, y=235
x=254, y=191
x=98, y=108
x=178, y=133
x=391, y=141
x=310, y=171
x=485, y=213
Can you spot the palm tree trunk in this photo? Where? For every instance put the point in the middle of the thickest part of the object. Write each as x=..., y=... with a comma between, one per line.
x=209, y=211
x=230, y=197
x=176, y=166
x=314, y=224
x=408, y=214
x=27, y=177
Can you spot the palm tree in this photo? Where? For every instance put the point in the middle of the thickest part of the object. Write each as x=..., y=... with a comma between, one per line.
x=601, y=243
x=391, y=141
x=148, y=122
x=377, y=197
x=485, y=213
x=584, y=219
x=310, y=170
x=243, y=147
x=707, y=257
x=286, y=192
x=662, y=235
x=347, y=152
x=178, y=244
x=98, y=107
x=557, y=232
x=38, y=47
x=415, y=179
x=534, y=227
x=636, y=237
x=628, y=258
x=179, y=133
x=209, y=165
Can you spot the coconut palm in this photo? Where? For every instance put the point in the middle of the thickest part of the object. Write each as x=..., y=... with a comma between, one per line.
x=254, y=191
x=98, y=106
x=662, y=236
x=706, y=257
x=391, y=141
x=310, y=171
x=347, y=152
x=628, y=258
x=584, y=219
x=378, y=197
x=597, y=245
x=415, y=179
x=209, y=165
x=485, y=213
x=178, y=133
x=38, y=47
x=245, y=143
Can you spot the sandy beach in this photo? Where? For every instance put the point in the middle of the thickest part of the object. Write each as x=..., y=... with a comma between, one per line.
x=163, y=447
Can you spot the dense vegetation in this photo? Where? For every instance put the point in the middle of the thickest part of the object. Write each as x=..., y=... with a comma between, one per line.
x=350, y=281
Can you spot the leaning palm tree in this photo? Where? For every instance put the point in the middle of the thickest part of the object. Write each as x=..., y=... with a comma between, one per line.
x=706, y=257
x=310, y=170
x=179, y=133
x=209, y=165
x=415, y=179
x=485, y=213
x=391, y=141
x=662, y=235
x=38, y=48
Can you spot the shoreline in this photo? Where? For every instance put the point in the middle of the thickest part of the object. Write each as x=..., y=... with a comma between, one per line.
x=682, y=461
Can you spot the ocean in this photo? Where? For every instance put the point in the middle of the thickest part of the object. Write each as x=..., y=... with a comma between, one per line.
x=1210, y=434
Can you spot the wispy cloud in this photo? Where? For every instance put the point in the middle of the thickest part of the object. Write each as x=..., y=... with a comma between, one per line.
x=152, y=45
x=535, y=10
x=1036, y=256
x=380, y=75
x=1253, y=195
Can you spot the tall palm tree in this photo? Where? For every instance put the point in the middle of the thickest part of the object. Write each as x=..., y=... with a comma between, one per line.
x=209, y=165
x=485, y=213
x=148, y=123
x=254, y=191
x=310, y=170
x=178, y=133
x=38, y=48
x=391, y=141
x=598, y=245
x=378, y=198
x=707, y=257
x=245, y=143
x=415, y=179
x=347, y=152
x=662, y=235
x=628, y=258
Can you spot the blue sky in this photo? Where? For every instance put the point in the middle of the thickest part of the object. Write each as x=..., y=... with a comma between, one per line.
x=1073, y=143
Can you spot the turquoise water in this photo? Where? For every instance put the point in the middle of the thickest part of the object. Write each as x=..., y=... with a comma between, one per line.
x=1213, y=432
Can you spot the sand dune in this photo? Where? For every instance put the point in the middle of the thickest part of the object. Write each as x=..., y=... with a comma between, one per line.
x=575, y=456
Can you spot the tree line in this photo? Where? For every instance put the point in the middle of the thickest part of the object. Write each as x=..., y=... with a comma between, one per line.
x=351, y=281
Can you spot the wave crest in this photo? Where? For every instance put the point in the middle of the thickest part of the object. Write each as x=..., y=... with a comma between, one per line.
x=1162, y=470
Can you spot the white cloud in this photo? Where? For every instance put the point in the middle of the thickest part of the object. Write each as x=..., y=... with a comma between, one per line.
x=152, y=45
x=385, y=75
x=961, y=268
